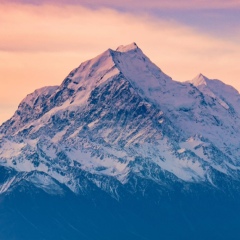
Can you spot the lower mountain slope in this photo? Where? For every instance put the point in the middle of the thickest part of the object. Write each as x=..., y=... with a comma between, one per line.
x=29, y=212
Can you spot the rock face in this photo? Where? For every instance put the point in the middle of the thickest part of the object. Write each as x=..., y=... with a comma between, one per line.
x=120, y=127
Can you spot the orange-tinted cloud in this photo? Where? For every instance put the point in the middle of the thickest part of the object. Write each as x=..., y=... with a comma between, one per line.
x=39, y=45
x=136, y=4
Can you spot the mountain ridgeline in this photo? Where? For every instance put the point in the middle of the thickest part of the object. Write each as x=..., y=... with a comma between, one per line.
x=121, y=151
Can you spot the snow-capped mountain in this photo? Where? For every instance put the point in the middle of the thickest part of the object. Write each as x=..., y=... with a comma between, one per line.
x=116, y=117
x=121, y=151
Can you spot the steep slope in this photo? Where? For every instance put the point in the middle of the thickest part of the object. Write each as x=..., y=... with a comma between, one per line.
x=31, y=107
x=226, y=95
x=224, y=101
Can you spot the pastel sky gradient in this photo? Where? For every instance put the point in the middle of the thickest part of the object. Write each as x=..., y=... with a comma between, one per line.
x=42, y=41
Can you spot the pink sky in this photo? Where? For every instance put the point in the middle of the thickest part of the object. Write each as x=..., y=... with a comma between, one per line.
x=41, y=44
x=186, y=4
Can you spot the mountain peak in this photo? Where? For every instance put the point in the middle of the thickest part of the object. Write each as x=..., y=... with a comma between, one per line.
x=199, y=80
x=127, y=48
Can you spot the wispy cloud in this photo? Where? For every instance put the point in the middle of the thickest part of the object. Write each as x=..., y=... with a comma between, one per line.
x=74, y=28
x=136, y=4
x=39, y=45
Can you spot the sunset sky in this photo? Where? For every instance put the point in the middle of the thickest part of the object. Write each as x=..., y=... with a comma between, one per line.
x=41, y=41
